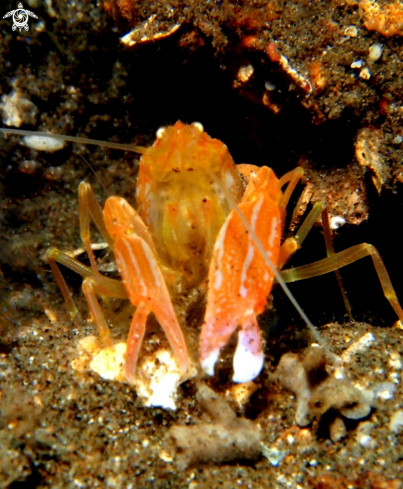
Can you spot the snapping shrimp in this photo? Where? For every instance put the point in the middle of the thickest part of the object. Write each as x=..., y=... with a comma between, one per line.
x=197, y=218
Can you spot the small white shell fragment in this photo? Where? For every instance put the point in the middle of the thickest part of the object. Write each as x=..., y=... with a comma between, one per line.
x=269, y=86
x=337, y=222
x=159, y=380
x=17, y=109
x=358, y=346
x=43, y=143
x=165, y=456
x=274, y=455
x=363, y=437
x=146, y=33
x=396, y=422
x=160, y=375
x=339, y=373
x=395, y=360
x=365, y=74
x=357, y=64
x=397, y=139
x=351, y=31
x=384, y=390
x=394, y=377
x=109, y=362
x=375, y=52
x=299, y=80
x=244, y=73
x=364, y=440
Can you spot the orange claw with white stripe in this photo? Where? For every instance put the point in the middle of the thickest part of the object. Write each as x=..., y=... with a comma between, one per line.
x=240, y=280
x=144, y=283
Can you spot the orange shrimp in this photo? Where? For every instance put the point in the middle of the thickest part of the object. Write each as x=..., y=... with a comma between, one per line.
x=195, y=219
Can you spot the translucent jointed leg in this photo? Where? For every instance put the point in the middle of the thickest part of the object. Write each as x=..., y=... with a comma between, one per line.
x=343, y=258
x=143, y=282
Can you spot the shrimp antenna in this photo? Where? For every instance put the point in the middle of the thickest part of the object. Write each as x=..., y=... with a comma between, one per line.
x=73, y=139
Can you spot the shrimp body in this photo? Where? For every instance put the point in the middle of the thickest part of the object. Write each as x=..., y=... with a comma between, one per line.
x=185, y=230
x=195, y=220
x=179, y=200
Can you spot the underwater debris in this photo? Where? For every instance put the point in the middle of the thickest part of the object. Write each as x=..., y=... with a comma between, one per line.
x=17, y=109
x=351, y=31
x=224, y=439
x=147, y=32
x=156, y=385
x=318, y=392
x=245, y=72
x=358, y=346
x=386, y=19
x=299, y=80
x=241, y=393
x=368, y=155
x=357, y=64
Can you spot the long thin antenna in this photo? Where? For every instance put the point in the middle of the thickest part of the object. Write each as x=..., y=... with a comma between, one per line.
x=73, y=139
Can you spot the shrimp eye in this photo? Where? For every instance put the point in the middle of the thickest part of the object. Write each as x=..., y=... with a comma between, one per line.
x=198, y=126
x=160, y=133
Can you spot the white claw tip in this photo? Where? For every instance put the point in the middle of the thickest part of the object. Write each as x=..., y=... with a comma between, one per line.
x=247, y=364
x=209, y=362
